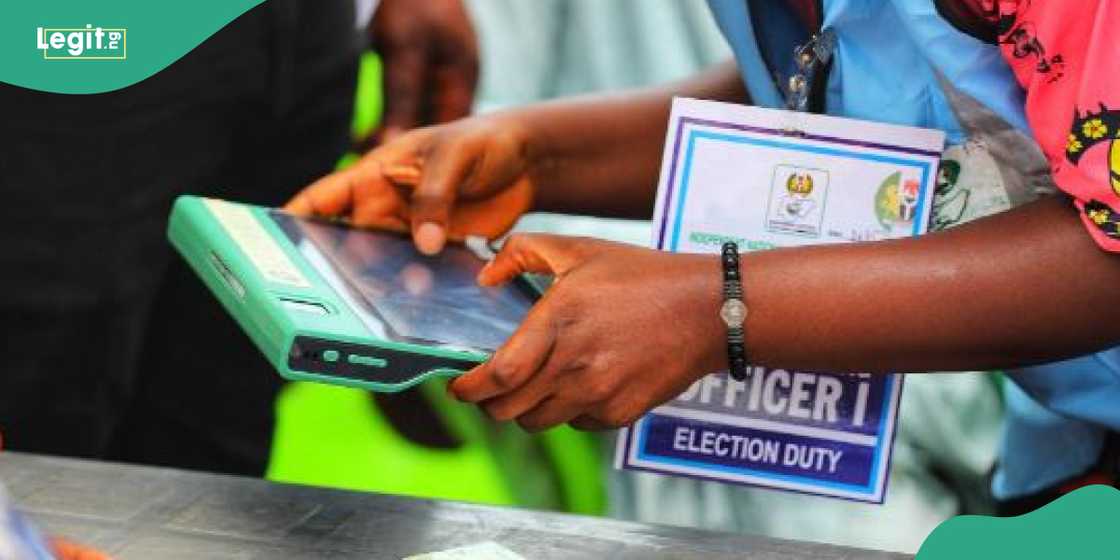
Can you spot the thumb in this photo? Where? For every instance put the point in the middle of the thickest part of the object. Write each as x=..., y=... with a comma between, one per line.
x=535, y=253
x=444, y=169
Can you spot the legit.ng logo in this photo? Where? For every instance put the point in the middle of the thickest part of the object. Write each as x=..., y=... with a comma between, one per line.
x=82, y=43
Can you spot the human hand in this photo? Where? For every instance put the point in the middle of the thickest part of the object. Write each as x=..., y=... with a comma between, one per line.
x=470, y=177
x=66, y=550
x=622, y=330
x=430, y=58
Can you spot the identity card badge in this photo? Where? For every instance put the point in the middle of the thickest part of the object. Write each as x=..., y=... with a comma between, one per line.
x=767, y=178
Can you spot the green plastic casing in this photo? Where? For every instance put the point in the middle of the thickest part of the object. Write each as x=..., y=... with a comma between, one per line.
x=298, y=343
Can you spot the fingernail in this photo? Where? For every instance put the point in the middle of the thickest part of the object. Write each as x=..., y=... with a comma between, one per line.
x=430, y=238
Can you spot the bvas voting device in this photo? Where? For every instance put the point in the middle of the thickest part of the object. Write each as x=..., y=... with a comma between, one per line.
x=325, y=302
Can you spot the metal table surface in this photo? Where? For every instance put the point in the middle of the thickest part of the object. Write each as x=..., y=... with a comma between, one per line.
x=149, y=513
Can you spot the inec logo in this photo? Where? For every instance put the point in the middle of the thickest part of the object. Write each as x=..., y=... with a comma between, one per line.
x=88, y=43
x=797, y=199
x=896, y=201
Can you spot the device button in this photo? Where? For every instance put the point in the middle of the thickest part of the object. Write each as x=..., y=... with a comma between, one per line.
x=360, y=360
x=330, y=355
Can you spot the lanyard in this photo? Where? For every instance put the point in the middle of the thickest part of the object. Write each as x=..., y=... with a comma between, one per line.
x=805, y=89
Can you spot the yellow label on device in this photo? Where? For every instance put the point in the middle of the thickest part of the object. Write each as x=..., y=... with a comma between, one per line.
x=262, y=250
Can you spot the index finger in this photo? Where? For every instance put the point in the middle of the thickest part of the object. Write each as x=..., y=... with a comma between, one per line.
x=513, y=364
x=330, y=196
x=340, y=191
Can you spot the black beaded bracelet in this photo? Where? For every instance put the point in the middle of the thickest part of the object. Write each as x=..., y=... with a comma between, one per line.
x=734, y=312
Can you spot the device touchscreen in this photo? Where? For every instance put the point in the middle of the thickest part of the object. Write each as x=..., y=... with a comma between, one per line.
x=404, y=295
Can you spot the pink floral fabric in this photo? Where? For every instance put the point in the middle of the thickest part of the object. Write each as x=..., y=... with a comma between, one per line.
x=1066, y=58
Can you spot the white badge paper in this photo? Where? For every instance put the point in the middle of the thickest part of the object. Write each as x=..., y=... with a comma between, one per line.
x=768, y=178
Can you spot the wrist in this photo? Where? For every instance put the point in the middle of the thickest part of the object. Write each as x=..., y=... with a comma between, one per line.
x=733, y=311
x=541, y=158
x=555, y=155
x=706, y=299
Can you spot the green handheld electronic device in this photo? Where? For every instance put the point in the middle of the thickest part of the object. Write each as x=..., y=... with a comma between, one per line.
x=333, y=304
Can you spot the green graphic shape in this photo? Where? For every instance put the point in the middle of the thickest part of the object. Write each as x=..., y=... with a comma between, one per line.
x=158, y=34
x=1082, y=524
x=886, y=200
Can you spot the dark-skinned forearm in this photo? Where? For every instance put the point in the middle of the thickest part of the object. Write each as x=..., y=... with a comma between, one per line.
x=1023, y=287
x=600, y=155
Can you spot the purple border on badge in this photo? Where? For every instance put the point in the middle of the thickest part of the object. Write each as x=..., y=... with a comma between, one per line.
x=681, y=122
